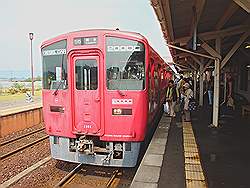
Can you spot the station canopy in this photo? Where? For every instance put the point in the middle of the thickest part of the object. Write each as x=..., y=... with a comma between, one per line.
x=197, y=24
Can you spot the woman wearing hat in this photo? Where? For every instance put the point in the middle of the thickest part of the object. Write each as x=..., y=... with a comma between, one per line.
x=188, y=95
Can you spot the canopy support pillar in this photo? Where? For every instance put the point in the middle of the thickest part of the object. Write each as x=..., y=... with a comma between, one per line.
x=216, y=95
x=201, y=85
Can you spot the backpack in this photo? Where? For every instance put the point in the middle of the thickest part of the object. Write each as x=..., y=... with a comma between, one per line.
x=192, y=105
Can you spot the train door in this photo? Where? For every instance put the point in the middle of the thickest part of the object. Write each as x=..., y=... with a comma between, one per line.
x=87, y=112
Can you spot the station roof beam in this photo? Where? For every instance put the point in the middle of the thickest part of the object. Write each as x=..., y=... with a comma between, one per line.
x=214, y=28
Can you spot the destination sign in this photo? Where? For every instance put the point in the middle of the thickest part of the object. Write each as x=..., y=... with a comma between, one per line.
x=54, y=52
x=85, y=41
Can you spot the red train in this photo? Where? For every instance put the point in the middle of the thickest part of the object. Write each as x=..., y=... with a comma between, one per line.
x=101, y=91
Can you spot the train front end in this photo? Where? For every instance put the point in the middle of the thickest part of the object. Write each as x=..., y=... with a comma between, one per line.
x=95, y=98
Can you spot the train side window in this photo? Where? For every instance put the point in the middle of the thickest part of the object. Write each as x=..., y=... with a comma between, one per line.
x=157, y=84
x=151, y=86
x=86, y=74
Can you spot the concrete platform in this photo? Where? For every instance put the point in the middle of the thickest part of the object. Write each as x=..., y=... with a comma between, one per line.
x=148, y=173
x=195, y=155
x=20, y=108
x=9, y=104
x=20, y=117
x=225, y=151
x=172, y=158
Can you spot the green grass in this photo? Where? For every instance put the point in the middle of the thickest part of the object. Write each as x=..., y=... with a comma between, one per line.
x=18, y=96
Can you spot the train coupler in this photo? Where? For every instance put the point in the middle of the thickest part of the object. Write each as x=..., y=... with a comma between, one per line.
x=86, y=146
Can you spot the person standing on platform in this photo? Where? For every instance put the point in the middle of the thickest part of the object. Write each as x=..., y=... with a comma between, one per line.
x=230, y=98
x=171, y=97
x=180, y=84
x=188, y=95
x=210, y=91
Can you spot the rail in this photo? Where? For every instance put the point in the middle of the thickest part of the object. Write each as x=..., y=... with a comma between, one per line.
x=111, y=180
x=69, y=177
x=25, y=172
x=22, y=136
x=23, y=147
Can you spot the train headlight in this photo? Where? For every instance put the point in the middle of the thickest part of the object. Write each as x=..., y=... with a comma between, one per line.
x=117, y=111
x=121, y=111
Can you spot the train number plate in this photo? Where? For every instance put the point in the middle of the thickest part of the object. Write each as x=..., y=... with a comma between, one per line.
x=122, y=101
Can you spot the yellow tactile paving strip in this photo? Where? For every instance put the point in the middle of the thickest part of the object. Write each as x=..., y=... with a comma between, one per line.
x=193, y=170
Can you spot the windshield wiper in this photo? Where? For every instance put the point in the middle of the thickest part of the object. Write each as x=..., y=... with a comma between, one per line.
x=56, y=91
x=122, y=93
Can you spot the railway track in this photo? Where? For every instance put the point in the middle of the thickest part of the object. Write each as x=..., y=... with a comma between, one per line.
x=21, y=136
x=111, y=180
x=22, y=147
x=25, y=172
x=69, y=178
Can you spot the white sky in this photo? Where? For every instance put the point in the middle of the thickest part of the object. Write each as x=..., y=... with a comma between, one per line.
x=49, y=18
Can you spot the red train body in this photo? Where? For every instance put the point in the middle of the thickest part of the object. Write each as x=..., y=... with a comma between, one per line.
x=101, y=91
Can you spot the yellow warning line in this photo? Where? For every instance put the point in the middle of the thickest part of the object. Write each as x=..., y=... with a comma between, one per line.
x=193, y=169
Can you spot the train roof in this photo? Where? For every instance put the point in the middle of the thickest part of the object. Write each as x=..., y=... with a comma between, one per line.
x=97, y=32
x=100, y=32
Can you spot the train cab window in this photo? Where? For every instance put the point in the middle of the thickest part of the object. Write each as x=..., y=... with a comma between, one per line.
x=55, y=66
x=125, y=64
x=86, y=74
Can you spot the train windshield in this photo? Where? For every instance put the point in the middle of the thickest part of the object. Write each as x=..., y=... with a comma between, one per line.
x=125, y=64
x=55, y=66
